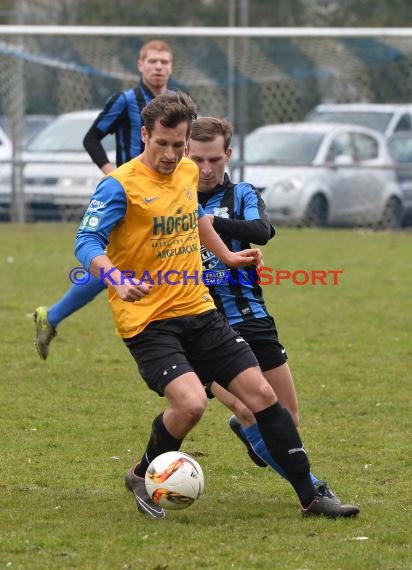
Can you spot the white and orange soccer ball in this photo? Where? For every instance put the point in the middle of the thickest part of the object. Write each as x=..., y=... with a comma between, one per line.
x=174, y=480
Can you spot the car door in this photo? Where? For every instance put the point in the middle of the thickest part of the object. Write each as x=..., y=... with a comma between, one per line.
x=372, y=180
x=340, y=158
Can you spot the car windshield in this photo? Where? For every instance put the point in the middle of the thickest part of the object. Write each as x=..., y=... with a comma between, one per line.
x=377, y=120
x=32, y=124
x=281, y=147
x=65, y=134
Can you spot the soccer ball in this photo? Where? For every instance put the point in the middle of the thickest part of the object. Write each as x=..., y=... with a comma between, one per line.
x=174, y=480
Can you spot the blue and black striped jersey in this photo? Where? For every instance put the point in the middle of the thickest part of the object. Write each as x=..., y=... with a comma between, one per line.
x=239, y=218
x=121, y=116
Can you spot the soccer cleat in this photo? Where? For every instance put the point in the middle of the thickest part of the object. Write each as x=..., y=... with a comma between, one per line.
x=236, y=427
x=322, y=489
x=136, y=485
x=45, y=332
x=327, y=503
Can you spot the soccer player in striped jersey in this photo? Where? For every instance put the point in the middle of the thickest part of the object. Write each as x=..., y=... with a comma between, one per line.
x=238, y=214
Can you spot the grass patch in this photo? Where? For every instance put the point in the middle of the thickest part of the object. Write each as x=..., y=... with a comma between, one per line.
x=73, y=425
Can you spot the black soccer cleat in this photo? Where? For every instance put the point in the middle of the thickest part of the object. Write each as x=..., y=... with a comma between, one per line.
x=136, y=485
x=236, y=427
x=324, y=490
x=327, y=503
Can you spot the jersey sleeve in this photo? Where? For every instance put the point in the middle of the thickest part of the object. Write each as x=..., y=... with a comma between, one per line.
x=109, y=116
x=201, y=211
x=107, y=208
x=252, y=224
x=104, y=124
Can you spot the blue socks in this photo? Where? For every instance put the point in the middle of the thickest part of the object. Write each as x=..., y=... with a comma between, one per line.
x=76, y=297
x=254, y=437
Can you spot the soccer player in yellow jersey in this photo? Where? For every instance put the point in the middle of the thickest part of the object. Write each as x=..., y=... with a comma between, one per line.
x=146, y=214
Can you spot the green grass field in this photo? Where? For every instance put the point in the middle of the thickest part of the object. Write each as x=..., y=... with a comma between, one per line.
x=73, y=425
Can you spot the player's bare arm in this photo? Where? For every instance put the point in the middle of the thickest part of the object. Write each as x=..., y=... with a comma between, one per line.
x=107, y=168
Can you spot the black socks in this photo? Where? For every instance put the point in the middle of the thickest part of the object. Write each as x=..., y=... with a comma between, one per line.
x=160, y=441
x=284, y=444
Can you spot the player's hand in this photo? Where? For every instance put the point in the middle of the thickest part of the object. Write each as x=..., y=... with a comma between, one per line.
x=132, y=292
x=245, y=257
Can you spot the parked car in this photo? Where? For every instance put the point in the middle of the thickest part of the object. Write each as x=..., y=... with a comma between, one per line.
x=318, y=174
x=400, y=149
x=59, y=175
x=387, y=118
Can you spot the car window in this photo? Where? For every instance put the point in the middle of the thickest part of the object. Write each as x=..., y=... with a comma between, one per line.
x=400, y=149
x=378, y=120
x=281, y=147
x=65, y=134
x=404, y=123
x=32, y=125
x=340, y=145
x=366, y=147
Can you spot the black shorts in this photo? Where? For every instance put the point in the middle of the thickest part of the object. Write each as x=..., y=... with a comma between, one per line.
x=203, y=343
x=262, y=337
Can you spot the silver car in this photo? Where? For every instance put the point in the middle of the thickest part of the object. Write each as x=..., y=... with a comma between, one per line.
x=323, y=174
x=59, y=175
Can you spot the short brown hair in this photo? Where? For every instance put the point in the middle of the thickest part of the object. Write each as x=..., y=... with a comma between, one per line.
x=170, y=109
x=206, y=129
x=157, y=45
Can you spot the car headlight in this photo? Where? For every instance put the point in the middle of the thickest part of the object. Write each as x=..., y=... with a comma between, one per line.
x=289, y=184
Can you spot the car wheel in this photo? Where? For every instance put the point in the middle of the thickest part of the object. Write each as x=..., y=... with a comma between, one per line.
x=316, y=215
x=392, y=215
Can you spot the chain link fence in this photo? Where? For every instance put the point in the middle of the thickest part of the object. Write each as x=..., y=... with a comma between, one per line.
x=250, y=79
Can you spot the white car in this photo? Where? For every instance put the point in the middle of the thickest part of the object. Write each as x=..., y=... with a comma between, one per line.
x=319, y=174
x=387, y=118
x=59, y=175
x=32, y=124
